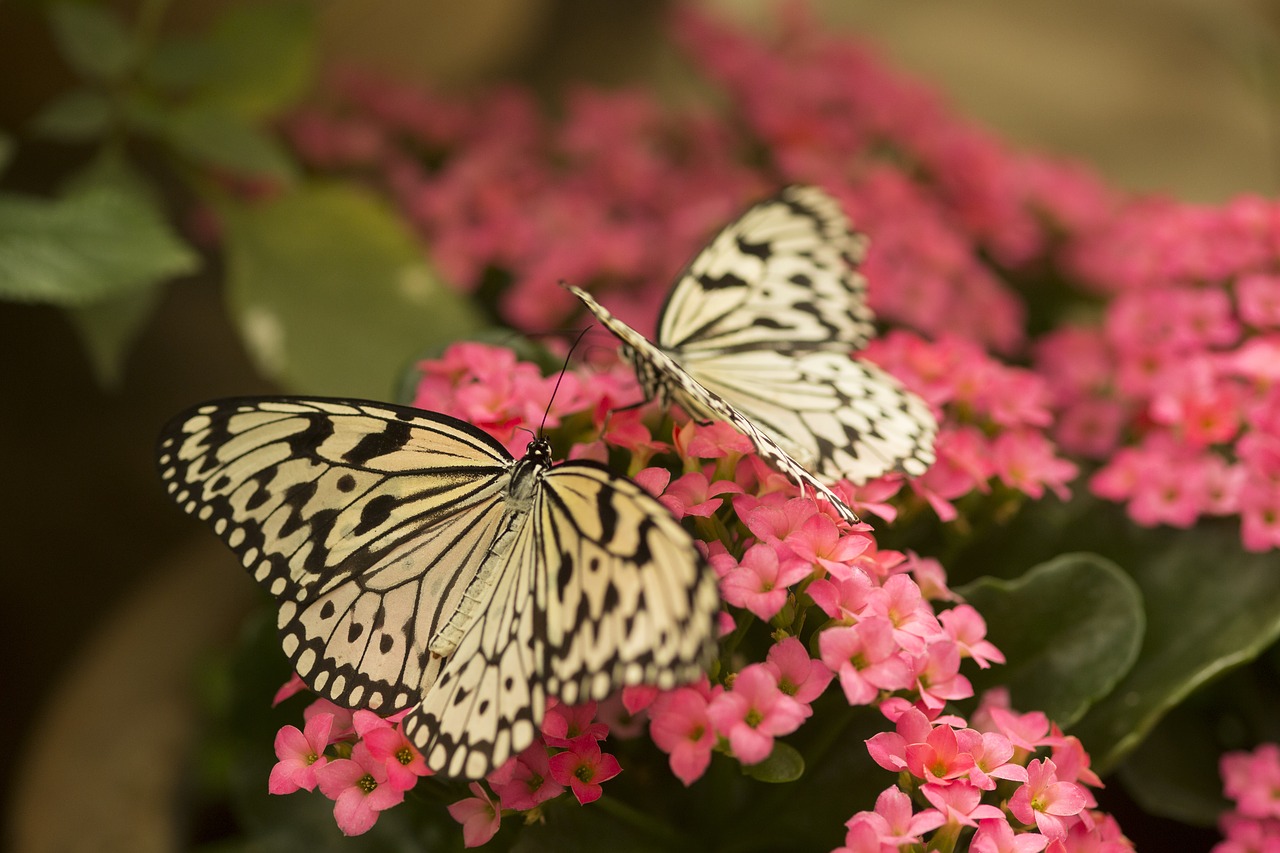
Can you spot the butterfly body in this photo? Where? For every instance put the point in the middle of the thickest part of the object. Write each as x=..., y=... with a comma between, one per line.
x=759, y=331
x=417, y=565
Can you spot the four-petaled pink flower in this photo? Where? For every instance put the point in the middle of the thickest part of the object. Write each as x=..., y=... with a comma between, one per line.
x=301, y=754
x=754, y=712
x=759, y=581
x=865, y=658
x=564, y=724
x=479, y=815
x=388, y=744
x=798, y=674
x=1044, y=800
x=359, y=788
x=583, y=767
x=525, y=781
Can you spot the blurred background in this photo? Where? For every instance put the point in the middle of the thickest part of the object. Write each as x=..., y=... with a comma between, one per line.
x=1170, y=96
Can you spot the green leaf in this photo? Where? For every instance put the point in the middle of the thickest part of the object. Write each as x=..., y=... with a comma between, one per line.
x=75, y=116
x=96, y=242
x=331, y=291
x=92, y=38
x=1069, y=628
x=784, y=764
x=262, y=57
x=215, y=136
x=108, y=328
x=1210, y=607
x=178, y=64
x=1174, y=772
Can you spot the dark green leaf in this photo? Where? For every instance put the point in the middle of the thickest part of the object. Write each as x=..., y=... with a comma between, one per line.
x=94, y=243
x=1069, y=629
x=784, y=764
x=109, y=327
x=92, y=38
x=1210, y=607
x=75, y=116
x=217, y=137
x=332, y=294
x=262, y=55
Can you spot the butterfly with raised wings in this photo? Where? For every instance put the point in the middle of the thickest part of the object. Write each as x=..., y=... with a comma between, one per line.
x=759, y=330
x=417, y=564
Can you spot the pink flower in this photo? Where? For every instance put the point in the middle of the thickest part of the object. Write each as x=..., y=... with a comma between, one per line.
x=844, y=599
x=582, y=766
x=301, y=754
x=693, y=494
x=753, y=713
x=889, y=749
x=388, y=744
x=295, y=684
x=900, y=602
x=342, y=725
x=681, y=727
x=865, y=658
x=358, y=786
x=565, y=724
x=939, y=758
x=711, y=441
x=1253, y=781
x=967, y=630
x=959, y=802
x=818, y=541
x=479, y=815
x=759, y=582
x=994, y=835
x=525, y=780
x=797, y=674
x=893, y=820
x=1045, y=801
x=937, y=674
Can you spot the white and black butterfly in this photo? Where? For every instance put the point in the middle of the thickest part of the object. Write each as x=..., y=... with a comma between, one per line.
x=758, y=331
x=417, y=564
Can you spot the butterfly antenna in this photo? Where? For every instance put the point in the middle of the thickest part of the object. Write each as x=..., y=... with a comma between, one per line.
x=563, y=368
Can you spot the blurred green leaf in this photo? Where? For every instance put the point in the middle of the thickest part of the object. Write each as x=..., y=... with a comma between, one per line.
x=1210, y=607
x=179, y=64
x=109, y=327
x=1070, y=629
x=215, y=136
x=784, y=764
x=331, y=292
x=262, y=56
x=74, y=116
x=92, y=38
x=95, y=242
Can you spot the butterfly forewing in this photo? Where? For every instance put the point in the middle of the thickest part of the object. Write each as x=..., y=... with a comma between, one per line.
x=366, y=522
x=782, y=277
x=415, y=562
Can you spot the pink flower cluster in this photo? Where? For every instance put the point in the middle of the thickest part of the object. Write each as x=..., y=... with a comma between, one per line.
x=995, y=418
x=1252, y=781
x=934, y=191
x=1177, y=388
x=362, y=762
x=952, y=766
x=502, y=195
x=809, y=600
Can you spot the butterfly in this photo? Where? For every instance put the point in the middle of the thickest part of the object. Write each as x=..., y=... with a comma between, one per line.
x=417, y=564
x=758, y=331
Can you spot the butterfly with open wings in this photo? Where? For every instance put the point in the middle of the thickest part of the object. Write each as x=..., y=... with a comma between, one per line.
x=417, y=564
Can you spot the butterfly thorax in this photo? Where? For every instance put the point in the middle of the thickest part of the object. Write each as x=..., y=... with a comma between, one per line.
x=523, y=484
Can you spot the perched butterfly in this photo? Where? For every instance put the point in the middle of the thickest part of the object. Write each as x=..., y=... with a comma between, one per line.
x=417, y=564
x=758, y=331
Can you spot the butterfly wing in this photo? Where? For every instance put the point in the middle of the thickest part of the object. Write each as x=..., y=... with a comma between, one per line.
x=835, y=416
x=365, y=521
x=781, y=277
x=663, y=378
x=601, y=588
